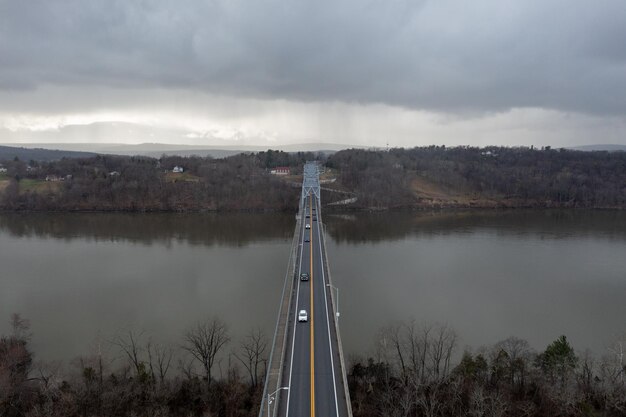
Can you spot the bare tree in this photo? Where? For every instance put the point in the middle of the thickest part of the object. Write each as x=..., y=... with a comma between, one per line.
x=618, y=350
x=418, y=342
x=429, y=399
x=483, y=404
x=392, y=347
x=518, y=354
x=159, y=357
x=129, y=344
x=253, y=348
x=422, y=353
x=441, y=349
x=205, y=341
x=185, y=365
x=16, y=362
x=395, y=400
x=586, y=371
x=51, y=380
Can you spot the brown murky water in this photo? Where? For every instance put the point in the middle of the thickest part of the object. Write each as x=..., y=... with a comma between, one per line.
x=80, y=278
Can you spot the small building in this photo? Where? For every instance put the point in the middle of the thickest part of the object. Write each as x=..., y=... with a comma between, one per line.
x=280, y=171
x=114, y=174
x=52, y=178
x=178, y=169
x=3, y=170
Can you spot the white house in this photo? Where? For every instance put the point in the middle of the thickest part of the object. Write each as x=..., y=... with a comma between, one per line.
x=280, y=171
x=178, y=169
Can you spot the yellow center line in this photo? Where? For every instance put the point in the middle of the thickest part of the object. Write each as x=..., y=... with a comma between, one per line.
x=311, y=324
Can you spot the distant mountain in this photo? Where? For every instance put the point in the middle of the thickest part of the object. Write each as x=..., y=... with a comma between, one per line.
x=110, y=137
x=610, y=148
x=157, y=149
x=39, y=154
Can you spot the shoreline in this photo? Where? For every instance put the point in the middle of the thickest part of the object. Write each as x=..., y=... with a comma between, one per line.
x=415, y=208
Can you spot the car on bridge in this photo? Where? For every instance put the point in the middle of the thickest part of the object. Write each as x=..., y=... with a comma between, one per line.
x=307, y=239
x=308, y=226
x=303, y=316
x=304, y=276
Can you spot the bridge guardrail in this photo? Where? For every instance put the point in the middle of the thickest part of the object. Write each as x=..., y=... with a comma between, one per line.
x=344, y=371
x=274, y=371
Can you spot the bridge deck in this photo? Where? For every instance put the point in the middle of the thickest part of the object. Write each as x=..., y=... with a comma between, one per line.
x=307, y=369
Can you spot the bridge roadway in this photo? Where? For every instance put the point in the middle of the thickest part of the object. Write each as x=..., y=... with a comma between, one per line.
x=312, y=374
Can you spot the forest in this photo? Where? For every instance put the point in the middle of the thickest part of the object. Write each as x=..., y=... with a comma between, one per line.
x=439, y=176
x=116, y=183
x=417, y=178
x=131, y=375
x=414, y=370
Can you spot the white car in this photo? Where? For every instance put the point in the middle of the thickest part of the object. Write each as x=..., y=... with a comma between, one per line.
x=308, y=226
x=303, y=316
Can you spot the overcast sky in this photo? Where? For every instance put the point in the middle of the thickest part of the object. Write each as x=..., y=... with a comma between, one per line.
x=407, y=73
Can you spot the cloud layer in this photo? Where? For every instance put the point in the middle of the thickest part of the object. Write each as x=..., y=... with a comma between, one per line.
x=240, y=59
x=438, y=55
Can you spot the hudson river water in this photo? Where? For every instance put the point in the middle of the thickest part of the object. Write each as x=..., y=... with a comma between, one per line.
x=83, y=279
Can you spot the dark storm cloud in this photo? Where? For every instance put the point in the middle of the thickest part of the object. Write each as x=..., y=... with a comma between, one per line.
x=437, y=55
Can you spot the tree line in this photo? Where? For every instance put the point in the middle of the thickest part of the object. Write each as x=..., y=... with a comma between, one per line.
x=412, y=375
x=103, y=183
x=485, y=177
x=415, y=371
x=511, y=177
x=141, y=378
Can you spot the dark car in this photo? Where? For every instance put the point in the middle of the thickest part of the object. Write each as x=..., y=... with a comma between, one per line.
x=304, y=276
x=307, y=239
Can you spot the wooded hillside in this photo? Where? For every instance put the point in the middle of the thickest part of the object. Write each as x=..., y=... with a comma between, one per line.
x=437, y=176
x=240, y=182
x=428, y=177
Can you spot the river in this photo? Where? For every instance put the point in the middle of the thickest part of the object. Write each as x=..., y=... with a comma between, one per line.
x=83, y=279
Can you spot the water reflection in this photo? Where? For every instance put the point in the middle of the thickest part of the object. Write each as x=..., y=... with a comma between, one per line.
x=82, y=276
x=555, y=224
x=197, y=229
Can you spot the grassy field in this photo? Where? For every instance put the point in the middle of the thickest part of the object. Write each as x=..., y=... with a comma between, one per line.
x=180, y=176
x=38, y=186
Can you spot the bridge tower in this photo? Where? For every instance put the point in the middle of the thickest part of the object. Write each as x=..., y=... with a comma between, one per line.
x=310, y=181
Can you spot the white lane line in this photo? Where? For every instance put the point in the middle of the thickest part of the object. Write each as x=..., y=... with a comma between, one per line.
x=295, y=323
x=332, y=364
